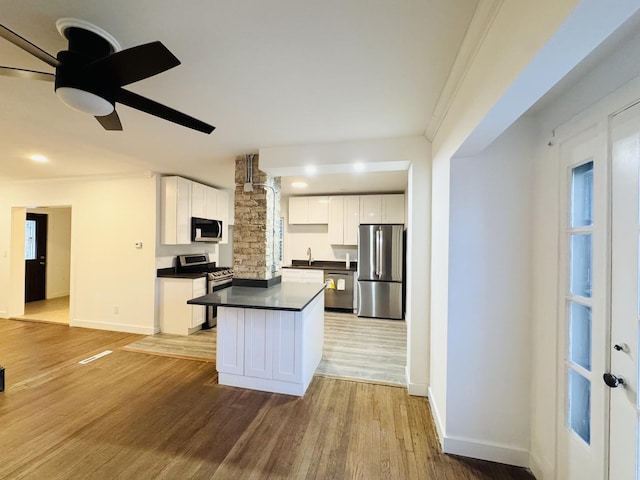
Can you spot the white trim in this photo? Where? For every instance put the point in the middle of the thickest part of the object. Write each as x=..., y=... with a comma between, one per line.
x=480, y=24
x=81, y=178
x=415, y=389
x=113, y=327
x=541, y=470
x=437, y=419
x=494, y=452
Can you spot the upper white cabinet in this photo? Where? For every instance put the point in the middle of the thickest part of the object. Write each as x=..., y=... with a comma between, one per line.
x=371, y=209
x=183, y=199
x=393, y=208
x=222, y=213
x=176, y=211
x=309, y=210
x=382, y=208
x=344, y=218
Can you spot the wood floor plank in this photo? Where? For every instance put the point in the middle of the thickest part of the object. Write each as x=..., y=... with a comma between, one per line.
x=130, y=415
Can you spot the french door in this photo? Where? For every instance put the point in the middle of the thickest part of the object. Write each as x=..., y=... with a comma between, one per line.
x=598, y=335
x=583, y=326
x=622, y=376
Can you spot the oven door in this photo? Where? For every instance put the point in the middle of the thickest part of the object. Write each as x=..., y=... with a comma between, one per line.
x=212, y=311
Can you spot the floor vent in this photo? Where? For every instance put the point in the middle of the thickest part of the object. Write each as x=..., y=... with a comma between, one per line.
x=95, y=357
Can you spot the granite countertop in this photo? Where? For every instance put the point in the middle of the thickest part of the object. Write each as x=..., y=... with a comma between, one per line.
x=323, y=265
x=283, y=296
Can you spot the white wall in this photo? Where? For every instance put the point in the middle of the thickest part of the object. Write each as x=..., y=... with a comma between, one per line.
x=502, y=80
x=109, y=215
x=488, y=347
x=58, y=250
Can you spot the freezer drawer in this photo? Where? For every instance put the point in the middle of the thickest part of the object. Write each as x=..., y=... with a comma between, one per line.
x=380, y=299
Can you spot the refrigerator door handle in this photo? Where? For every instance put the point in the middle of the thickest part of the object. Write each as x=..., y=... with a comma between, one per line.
x=378, y=252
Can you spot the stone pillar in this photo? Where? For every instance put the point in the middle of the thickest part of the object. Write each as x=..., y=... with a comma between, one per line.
x=257, y=224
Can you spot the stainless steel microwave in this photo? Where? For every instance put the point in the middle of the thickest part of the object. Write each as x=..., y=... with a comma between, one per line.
x=205, y=230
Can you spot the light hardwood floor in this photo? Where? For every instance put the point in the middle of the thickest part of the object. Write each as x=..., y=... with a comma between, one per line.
x=54, y=310
x=134, y=416
x=362, y=349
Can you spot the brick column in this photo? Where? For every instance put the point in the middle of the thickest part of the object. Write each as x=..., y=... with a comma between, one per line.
x=254, y=238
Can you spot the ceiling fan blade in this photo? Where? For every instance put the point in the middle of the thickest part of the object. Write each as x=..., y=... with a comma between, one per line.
x=151, y=107
x=134, y=64
x=27, y=46
x=24, y=73
x=110, y=122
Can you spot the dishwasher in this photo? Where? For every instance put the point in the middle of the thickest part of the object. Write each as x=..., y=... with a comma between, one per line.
x=338, y=292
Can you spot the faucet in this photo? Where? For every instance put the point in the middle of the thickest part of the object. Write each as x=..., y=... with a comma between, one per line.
x=309, y=254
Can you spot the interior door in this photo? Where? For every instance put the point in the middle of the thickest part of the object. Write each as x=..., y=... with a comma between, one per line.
x=583, y=313
x=35, y=257
x=622, y=377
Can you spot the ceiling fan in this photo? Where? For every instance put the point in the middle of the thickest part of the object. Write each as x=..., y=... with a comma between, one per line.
x=89, y=76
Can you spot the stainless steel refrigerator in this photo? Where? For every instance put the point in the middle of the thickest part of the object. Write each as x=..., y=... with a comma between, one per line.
x=380, y=261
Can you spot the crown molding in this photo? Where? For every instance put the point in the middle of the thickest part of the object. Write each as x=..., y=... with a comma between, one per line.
x=481, y=22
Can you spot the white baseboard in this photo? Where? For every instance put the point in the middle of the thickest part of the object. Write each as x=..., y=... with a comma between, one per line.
x=57, y=295
x=114, y=327
x=4, y=314
x=415, y=389
x=490, y=451
x=541, y=470
x=436, y=419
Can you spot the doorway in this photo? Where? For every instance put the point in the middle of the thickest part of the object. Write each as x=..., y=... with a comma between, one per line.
x=51, y=282
x=35, y=254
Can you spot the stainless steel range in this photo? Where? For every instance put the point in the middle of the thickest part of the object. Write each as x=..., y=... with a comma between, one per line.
x=217, y=278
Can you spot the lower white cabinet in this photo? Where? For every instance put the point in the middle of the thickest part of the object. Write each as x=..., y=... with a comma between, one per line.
x=176, y=317
x=302, y=275
x=270, y=350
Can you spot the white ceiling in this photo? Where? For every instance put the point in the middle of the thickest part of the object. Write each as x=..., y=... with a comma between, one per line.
x=265, y=73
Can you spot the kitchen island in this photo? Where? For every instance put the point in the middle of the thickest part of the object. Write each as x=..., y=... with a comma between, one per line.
x=269, y=339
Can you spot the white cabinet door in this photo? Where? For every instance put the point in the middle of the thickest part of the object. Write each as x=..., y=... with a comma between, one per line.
x=312, y=276
x=351, y=219
x=336, y=220
x=370, y=208
x=291, y=275
x=287, y=346
x=298, y=209
x=211, y=203
x=176, y=211
x=176, y=316
x=393, y=208
x=198, y=312
x=309, y=210
x=318, y=212
x=258, y=343
x=222, y=213
x=198, y=200
x=230, y=352
x=302, y=275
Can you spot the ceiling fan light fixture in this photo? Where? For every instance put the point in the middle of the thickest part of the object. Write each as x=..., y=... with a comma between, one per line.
x=85, y=102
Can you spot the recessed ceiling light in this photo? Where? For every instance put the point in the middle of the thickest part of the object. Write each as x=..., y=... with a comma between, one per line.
x=310, y=169
x=298, y=184
x=359, y=166
x=39, y=158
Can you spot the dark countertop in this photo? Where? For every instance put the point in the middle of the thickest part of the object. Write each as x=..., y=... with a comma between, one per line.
x=171, y=273
x=323, y=265
x=283, y=296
